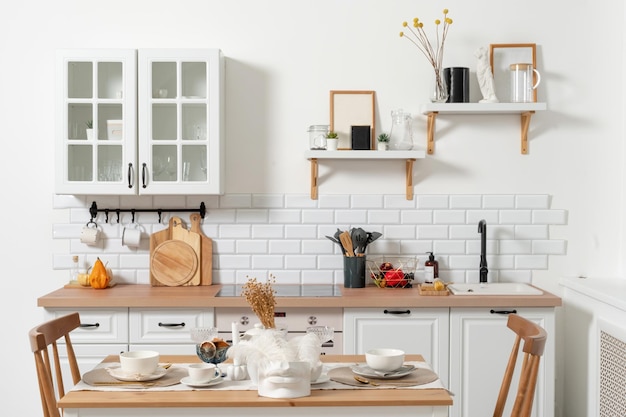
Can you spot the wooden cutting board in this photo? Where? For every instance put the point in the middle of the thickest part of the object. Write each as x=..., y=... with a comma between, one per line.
x=173, y=264
x=206, y=251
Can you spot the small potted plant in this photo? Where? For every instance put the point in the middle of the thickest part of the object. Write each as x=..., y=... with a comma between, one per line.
x=331, y=141
x=89, y=130
x=383, y=141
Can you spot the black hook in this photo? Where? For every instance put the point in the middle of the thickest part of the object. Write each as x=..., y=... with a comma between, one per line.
x=133, y=213
x=159, y=211
x=106, y=214
x=118, y=215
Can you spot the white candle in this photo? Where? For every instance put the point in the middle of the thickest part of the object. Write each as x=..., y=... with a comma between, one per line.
x=235, y=333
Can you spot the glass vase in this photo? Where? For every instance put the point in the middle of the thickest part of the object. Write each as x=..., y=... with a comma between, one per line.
x=439, y=88
x=400, y=136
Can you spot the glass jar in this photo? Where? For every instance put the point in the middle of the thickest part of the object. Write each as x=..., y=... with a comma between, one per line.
x=317, y=136
x=401, y=136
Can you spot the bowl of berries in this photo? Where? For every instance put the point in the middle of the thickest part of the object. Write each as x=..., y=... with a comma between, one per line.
x=392, y=271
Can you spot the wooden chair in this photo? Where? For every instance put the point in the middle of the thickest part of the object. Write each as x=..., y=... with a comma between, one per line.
x=534, y=338
x=42, y=338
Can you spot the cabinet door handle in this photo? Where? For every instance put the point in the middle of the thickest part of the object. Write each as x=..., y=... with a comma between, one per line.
x=89, y=325
x=144, y=174
x=172, y=324
x=130, y=175
x=503, y=311
x=397, y=311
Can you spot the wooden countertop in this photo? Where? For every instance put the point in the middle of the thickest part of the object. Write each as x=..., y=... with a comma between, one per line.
x=209, y=398
x=140, y=295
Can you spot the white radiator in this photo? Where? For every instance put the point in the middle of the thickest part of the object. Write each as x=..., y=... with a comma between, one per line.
x=612, y=370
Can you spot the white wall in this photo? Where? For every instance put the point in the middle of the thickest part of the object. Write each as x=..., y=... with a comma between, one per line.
x=283, y=58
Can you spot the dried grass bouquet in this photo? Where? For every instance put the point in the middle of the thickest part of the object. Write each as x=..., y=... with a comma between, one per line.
x=260, y=297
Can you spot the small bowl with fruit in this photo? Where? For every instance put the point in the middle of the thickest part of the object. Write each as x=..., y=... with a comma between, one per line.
x=392, y=271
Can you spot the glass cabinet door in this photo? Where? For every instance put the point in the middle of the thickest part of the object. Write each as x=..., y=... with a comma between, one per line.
x=96, y=122
x=181, y=121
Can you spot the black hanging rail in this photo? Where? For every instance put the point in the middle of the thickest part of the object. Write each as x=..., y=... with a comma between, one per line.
x=94, y=210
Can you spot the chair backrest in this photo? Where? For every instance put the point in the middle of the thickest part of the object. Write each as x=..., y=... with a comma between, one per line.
x=534, y=337
x=43, y=343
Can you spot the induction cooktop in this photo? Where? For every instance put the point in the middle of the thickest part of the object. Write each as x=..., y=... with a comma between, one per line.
x=287, y=290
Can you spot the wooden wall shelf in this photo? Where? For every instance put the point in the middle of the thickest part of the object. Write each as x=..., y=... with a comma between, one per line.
x=525, y=110
x=409, y=156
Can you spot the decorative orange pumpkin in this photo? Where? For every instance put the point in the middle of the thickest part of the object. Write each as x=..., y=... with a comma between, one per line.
x=99, y=278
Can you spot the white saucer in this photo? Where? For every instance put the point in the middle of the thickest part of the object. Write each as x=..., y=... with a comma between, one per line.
x=117, y=373
x=323, y=378
x=187, y=381
x=366, y=371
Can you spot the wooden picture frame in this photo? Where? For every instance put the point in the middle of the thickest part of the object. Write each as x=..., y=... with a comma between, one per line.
x=501, y=56
x=352, y=108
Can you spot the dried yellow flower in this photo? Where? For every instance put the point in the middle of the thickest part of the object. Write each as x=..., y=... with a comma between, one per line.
x=261, y=299
x=417, y=35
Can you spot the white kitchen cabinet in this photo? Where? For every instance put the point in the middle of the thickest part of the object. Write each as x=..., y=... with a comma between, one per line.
x=178, y=147
x=480, y=345
x=414, y=330
x=167, y=326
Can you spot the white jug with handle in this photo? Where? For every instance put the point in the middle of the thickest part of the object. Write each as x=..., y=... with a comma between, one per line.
x=523, y=83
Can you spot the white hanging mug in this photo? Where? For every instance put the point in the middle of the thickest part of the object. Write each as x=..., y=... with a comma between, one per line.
x=131, y=235
x=522, y=83
x=90, y=234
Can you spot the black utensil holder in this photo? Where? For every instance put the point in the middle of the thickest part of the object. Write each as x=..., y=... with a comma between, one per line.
x=354, y=271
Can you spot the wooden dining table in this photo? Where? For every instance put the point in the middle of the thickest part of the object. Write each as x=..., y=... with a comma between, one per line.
x=355, y=402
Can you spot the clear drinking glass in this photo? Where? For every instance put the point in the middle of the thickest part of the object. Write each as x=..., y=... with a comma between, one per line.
x=323, y=333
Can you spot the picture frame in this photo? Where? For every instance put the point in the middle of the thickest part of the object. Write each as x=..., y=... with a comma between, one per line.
x=501, y=56
x=352, y=108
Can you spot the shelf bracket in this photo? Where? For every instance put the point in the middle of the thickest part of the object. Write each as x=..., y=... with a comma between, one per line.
x=430, y=144
x=409, y=179
x=314, y=172
x=525, y=119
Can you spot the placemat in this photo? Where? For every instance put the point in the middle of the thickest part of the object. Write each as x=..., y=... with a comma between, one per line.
x=100, y=377
x=419, y=376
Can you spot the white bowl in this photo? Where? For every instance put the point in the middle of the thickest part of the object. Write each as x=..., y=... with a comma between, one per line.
x=384, y=360
x=142, y=362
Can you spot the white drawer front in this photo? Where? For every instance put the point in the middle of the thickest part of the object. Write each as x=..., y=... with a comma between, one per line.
x=170, y=325
x=97, y=325
x=296, y=319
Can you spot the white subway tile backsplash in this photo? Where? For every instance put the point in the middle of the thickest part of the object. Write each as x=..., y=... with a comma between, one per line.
x=251, y=216
x=384, y=216
x=532, y=201
x=531, y=232
x=549, y=247
x=432, y=232
x=350, y=217
x=558, y=217
x=465, y=201
x=515, y=217
x=367, y=201
x=499, y=201
x=258, y=234
x=449, y=216
x=318, y=216
x=432, y=202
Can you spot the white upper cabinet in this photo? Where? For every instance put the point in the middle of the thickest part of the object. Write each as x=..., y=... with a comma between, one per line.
x=174, y=145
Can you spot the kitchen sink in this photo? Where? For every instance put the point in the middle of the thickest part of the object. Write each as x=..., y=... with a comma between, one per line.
x=494, y=288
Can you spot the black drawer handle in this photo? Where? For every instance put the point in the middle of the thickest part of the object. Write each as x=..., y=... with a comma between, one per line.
x=172, y=324
x=89, y=326
x=503, y=311
x=397, y=311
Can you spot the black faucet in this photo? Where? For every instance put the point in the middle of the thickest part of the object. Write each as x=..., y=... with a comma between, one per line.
x=482, y=229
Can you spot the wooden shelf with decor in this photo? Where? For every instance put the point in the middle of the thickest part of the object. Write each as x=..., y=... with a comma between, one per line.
x=525, y=110
x=314, y=156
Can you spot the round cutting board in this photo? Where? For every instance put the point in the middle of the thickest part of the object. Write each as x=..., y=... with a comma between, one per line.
x=173, y=263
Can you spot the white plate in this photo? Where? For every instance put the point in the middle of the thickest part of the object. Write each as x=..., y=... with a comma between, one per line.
x=187, y=381
x=366, y=371
x=117, y=373
x=323, y=378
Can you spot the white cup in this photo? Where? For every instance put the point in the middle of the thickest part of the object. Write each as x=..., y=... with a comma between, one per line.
x=90, y=234
x=131, y=235
x=202, y=372
x=142, y=362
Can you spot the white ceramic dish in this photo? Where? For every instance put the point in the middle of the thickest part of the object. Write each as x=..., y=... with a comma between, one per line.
x=117, y=373
x=189, y=382
x=323, y=378
x=366, y=371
